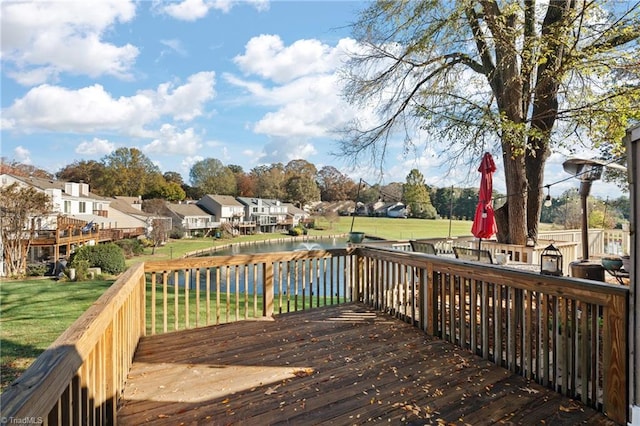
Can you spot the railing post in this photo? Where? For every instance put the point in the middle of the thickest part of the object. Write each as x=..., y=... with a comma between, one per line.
x=615, y=361
x=268, y=290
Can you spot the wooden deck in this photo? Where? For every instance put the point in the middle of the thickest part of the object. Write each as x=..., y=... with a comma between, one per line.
x=344, y=364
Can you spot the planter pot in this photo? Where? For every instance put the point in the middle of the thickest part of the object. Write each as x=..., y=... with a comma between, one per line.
x=356, y=237
x=612, y=264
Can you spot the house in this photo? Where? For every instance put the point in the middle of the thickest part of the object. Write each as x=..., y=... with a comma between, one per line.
x=191, y=219
x=67, y=198
x=129, y=219
x=269, y=215
x=397, y=210
x=297, y=216
x=229, y=212
x=225, y=208
x=76, y=218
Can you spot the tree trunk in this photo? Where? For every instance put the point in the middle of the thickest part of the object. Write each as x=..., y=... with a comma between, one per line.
x=516, y=181
x=535, y=176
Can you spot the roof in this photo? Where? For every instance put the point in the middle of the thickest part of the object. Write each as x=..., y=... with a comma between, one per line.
x=185, y=210
x=123, y=205
x=225, y=200
x=45, y=184
x=253, y=201
x=291, y=209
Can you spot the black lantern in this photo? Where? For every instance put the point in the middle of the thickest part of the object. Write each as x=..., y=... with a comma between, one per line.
x=551, y=261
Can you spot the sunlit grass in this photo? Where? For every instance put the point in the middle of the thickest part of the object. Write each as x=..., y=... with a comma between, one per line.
x=33, y=313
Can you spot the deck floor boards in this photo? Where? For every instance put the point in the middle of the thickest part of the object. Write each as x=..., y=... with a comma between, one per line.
x=341, y=365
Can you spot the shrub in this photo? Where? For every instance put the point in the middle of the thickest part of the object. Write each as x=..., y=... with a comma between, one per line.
x=176, y=233
x=36, y=269
x=108, y=257
x=131, y=247
x=82, y=268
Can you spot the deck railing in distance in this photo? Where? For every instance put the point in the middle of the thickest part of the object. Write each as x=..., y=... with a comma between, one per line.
x=193, y=292
x=566, y=334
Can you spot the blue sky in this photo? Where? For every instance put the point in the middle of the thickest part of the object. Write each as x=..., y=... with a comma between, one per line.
x=248, y=83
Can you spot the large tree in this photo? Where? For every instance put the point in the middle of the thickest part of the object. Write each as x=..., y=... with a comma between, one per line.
x=20, y=208
x=213, y=177
x=127, y=172
x=90, y=172
x=512, y=77
x=269, y=181
x=416, y=196
x=334, y=185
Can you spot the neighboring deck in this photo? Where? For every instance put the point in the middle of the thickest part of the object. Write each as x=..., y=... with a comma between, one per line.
x=345, y=364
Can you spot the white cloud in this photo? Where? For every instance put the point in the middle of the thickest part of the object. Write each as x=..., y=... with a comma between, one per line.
x=305, y=101
x=95, y=147
x=91, y=109
x=192, y=10
x=41, y=40
x=267, y=57
x=22, y=155
x=175, y=45
x=173, y=142
x=188, y=10
x=285, y=150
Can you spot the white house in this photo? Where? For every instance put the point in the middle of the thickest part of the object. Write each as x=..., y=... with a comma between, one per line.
x=225, y=208
x=191, y=218
x=268, y=214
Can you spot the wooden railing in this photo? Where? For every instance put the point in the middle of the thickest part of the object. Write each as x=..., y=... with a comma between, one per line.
x=79, y=379
x=195, y=292
x=567, y=334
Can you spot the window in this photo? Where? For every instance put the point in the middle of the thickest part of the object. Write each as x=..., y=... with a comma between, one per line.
x=67, y=206
x=82, y=208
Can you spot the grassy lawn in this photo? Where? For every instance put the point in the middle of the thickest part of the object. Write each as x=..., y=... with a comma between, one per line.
x=33, y=313
x=396, y=229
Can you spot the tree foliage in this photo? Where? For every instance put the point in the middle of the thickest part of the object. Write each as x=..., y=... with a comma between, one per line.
x=211, y=176
x=127, y=172
x=87, y=171
x=269, y=181
x=416, y=196
x=20, y=208
x=513, y=77
x=334, y=185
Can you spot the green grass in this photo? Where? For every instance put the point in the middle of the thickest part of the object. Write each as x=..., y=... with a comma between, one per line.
x=232, y=308
x=33, y=313
x=396, y=229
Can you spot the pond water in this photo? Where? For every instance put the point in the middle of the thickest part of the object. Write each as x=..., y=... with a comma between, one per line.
x=287, y=276
x=275, y=246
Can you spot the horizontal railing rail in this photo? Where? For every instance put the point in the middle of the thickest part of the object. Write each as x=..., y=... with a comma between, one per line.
x=566, y=334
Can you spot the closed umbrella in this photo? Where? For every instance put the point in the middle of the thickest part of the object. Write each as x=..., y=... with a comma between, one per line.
x=484, y=221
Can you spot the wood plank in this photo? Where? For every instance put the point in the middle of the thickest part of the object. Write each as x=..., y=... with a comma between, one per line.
x=343, y=364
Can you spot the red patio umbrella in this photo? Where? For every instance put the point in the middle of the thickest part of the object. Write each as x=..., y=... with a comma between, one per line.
x=484, y=221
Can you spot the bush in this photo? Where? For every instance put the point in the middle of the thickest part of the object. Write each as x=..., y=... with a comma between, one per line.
x=82, y=268
x=176, y=233
x=131, y=247
x=108, y=257
x=36, y=269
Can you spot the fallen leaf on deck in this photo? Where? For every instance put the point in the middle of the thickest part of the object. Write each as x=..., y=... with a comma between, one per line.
x=303, y=372
x=272, y=390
